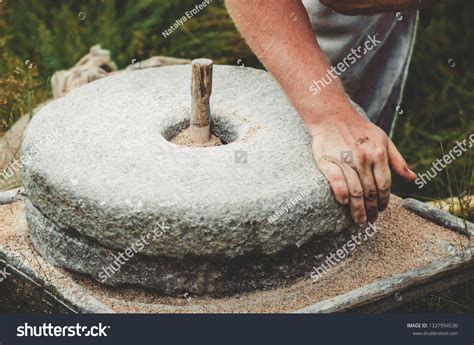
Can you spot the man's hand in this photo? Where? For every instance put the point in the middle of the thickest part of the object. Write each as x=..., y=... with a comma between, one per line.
x=357, y=7
x=356, y=159
x=280, y=34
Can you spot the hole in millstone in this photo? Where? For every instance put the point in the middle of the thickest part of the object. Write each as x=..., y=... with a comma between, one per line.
x=222, y=133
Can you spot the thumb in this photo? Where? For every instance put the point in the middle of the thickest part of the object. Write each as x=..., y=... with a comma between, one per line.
x=398, y=164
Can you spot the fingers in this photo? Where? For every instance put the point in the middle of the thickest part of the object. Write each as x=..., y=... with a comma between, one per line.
x=348, y=189
x=383, y=180
x=370, y=192
x=363, y=165
x=356, y=195
x=346, y=185
x=336, y=179
x=365, y=185
x=398, y=164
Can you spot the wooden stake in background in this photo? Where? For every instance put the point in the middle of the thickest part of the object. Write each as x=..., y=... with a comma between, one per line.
x=201, y=88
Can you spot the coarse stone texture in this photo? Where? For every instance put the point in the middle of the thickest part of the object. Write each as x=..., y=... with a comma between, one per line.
x=209, y=276
x=113, y=176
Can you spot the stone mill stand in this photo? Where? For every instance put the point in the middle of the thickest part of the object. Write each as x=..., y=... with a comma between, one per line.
x=117, y=198
x=195, y=218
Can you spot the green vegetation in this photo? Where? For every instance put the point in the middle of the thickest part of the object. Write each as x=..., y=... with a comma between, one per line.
x=54, y=35
x=438, y=107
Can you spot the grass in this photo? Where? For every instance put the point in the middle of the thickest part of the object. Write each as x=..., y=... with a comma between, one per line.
x=438, y=104
x=437, y=109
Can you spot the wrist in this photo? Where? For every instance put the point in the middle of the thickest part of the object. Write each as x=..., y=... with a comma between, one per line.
x=334, y=116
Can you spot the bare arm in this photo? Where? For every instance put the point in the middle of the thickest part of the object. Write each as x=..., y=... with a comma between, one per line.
x=280, y=34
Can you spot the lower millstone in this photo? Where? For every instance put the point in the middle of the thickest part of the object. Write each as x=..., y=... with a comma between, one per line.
x=200, y=276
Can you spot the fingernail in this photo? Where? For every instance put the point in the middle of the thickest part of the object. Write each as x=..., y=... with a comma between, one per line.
x=362, y=220
x=409, y=170
x=345, y=201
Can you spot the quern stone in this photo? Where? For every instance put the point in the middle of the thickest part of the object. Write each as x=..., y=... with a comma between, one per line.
x=112, y=176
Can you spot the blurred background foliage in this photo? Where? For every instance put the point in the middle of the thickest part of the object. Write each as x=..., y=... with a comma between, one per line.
x=438, y=106
x=38, y=38
x=51, y=35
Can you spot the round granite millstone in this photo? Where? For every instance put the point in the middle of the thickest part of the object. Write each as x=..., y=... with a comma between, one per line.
x=168, y=276
x=112, y=175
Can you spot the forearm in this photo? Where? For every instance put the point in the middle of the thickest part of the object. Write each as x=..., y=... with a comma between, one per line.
x=280, y=34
